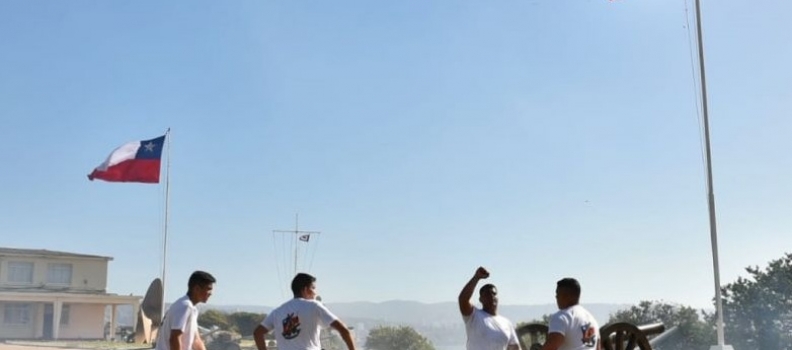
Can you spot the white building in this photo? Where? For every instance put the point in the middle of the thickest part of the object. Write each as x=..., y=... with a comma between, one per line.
x=55, y=295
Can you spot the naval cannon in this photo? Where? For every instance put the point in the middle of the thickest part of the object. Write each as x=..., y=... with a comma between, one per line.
x=615, y=336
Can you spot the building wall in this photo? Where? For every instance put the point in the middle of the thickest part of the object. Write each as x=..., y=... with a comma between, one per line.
x=38, y=320
x=87, y=274
x=86, y=321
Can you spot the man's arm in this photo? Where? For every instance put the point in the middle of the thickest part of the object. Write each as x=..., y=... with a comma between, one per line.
x=198, y=343
x=258, y=336
x=514, y=342
x=465, y=307
x=554, y=341
x=175, y=339
x=345, y=334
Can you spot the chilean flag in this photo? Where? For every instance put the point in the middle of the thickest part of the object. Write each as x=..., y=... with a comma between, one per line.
x=137, y=161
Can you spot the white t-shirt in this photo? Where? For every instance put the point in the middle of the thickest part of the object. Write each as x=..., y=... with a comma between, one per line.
x=579, y=328
x=296, y=324
x=488, y=332
x=182, y=315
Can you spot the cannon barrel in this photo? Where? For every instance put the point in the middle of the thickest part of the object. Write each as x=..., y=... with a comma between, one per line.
x=668, y=335
x=626, y=335
x=652, y=328
x=648, y=329
x=623, y=335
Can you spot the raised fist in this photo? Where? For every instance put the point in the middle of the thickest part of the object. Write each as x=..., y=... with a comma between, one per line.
x=482, y=273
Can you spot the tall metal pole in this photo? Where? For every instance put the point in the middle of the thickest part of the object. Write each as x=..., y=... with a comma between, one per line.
x=165, y=228
x=710, y=187
x=296, y=229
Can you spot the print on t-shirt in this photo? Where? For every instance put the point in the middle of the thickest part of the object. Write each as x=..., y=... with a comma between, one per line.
x=589, y=335
x=291, y=326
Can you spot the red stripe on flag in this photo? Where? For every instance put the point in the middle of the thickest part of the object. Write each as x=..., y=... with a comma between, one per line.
x=132, y=170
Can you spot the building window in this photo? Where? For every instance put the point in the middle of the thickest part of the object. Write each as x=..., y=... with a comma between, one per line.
x=20, y=272
x=65, y=311
x=17, y=314
x=59, y=273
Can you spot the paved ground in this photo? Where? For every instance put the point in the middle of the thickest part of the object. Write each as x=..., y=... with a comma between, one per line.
x=24, y=347
x=4, y=346
x=84, y=345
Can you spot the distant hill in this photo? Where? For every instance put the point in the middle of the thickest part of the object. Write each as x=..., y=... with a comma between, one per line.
x=416, y=313
x=236, y=308
x=409, y=312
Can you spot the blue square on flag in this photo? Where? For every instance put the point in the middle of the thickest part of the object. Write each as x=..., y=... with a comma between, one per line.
x=150, y=149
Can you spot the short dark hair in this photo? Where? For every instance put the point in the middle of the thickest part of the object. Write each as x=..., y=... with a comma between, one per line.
x=486, y=287
x=200, y=278
x=301, y=281
x=570, y=285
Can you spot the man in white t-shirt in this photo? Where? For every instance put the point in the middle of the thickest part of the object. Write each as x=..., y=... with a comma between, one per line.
x=485, y=329
x=572, y=327
x=179, y=328
x=297, y=322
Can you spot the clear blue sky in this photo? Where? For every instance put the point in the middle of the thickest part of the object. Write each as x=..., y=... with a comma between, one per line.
x=538, y=138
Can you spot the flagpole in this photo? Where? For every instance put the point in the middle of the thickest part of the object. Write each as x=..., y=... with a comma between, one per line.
x=165, y=227
x=296, y=239
x=710, y=187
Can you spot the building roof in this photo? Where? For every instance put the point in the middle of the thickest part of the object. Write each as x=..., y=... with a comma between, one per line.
x=48, y=253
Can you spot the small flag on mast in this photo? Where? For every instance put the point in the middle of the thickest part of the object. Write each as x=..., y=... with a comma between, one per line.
x=305, y=238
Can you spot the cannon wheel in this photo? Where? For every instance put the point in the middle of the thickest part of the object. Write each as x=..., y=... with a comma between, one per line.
x=623, y=336
x=531, y=335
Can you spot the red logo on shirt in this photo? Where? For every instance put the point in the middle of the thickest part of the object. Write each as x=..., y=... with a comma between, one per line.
x=589, y=335
x=291, y=326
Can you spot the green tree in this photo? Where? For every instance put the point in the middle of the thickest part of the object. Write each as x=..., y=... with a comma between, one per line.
x=245, y=322
x=545, y=320
x=757, y=311
x=211, y=318
x=397, y=338
x=331, y=340
x=646, y=312
x=693, y=331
